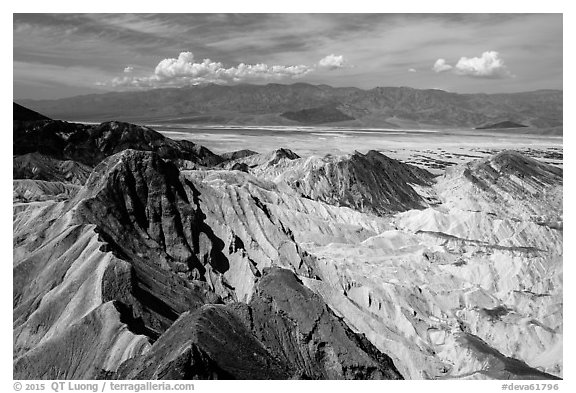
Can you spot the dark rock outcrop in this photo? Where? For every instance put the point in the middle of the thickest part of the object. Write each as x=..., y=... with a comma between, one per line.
x=262, y=159
x=127, y=238
x=210, y=343
x=499, y=366
x=21, y=113
x=240, y=166
x=286, y=331
x=234, y=155
x=90, y=144
x=368, y=182
x=145, y=214
x=297, y=327
x=510, y=162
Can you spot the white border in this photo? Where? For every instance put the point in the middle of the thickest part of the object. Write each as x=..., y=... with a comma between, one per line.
x=332, y=6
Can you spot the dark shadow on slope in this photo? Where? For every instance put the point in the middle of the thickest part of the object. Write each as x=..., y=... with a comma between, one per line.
x=500, y=366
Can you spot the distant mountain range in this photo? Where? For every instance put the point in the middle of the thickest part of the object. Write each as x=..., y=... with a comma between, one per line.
x=502, y=124
x=301, y=103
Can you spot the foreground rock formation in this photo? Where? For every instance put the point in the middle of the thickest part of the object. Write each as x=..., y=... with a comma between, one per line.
x=138, y=257
x=286, y=331
x=90, y=144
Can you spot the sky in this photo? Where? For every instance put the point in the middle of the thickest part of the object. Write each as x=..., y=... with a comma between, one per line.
x=63, y=55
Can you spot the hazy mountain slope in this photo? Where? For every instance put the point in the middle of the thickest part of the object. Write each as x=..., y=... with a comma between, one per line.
x=323, y=114
x=436, y=107
x=503, y=124
x=194, y=100
x=257, y=104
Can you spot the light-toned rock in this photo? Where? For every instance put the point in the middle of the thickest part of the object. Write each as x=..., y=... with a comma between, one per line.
x=464, y=282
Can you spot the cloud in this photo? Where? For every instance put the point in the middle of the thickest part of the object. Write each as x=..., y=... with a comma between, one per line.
x=441, y=66
x=184, y=70
x=332, y=62
x=411, y=70
x=128, y=69
x=488, y=65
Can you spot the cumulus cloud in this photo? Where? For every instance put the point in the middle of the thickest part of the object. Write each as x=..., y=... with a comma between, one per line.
x=185, y=70
x=128, y=69
x=332, y=62
x=488, y=65
x=441, y=66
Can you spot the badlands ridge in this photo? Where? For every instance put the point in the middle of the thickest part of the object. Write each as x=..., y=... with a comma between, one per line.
x=141, y=257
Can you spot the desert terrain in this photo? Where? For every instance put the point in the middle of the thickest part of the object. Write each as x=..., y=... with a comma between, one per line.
x=279, y=253
x=288, y=196
x=434, y=149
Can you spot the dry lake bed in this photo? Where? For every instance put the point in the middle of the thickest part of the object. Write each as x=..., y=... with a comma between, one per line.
x=433, y=149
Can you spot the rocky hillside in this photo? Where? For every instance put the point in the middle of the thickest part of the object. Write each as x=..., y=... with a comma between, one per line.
x=162, y=265
x=90, y=144
x=39, y=167
x=285, y=332
x=371, y=182
x=140, y=250
x=303, y=103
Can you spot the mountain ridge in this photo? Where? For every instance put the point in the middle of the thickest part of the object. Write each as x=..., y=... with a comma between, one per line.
x=266, y=104
x=90, y=144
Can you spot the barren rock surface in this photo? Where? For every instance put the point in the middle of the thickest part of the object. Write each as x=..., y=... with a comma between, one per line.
x=286, y=331
x=38, y=167
x=339, y=267
x=89, y=144
x=371, y=183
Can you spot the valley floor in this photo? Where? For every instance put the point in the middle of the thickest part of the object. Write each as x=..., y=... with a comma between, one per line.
x=432, y=149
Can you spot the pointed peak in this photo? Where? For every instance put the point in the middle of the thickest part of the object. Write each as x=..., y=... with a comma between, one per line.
x=286, y=153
